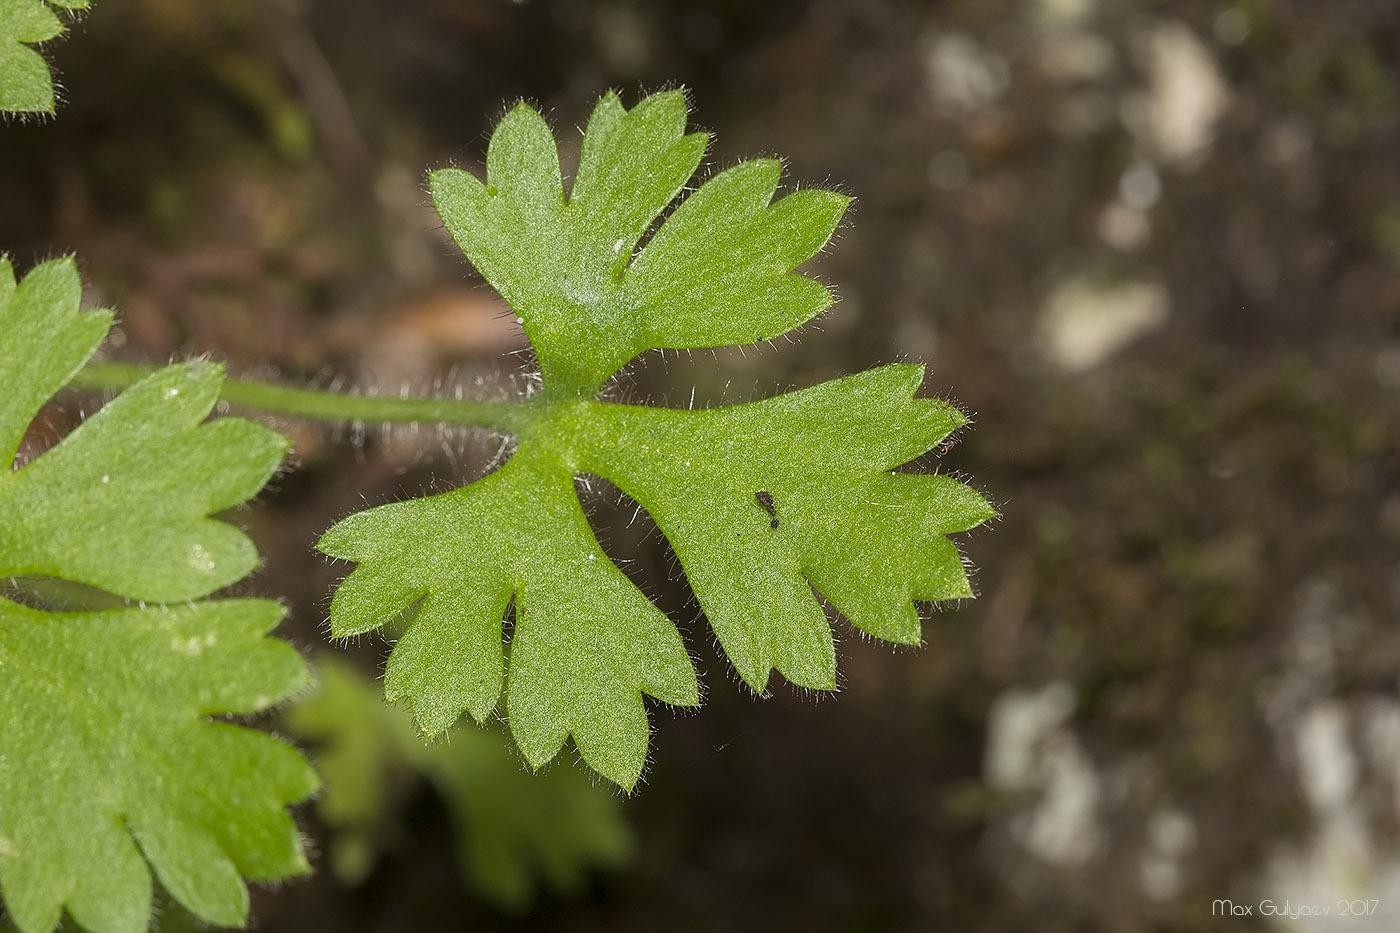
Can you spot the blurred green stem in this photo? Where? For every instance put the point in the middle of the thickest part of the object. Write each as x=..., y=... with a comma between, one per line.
x=318, y=405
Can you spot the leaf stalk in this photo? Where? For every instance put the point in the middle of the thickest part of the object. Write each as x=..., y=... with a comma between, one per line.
x=323, y=405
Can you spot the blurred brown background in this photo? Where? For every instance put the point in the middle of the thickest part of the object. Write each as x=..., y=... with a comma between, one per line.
x=1155, y=248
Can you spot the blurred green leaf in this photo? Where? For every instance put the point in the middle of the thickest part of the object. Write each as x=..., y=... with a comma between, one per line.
x=516, y=833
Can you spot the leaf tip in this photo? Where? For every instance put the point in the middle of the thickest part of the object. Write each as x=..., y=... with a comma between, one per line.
x=432, y=719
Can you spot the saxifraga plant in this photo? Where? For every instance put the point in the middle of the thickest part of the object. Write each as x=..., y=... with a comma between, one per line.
x=114, y=759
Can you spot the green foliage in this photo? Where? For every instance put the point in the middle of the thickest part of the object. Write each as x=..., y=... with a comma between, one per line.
x=107, y=747
x=713, y=275
x=107, y=751
x=514, y=830
x=25, y=83
x=586, y=643
x=111, y=767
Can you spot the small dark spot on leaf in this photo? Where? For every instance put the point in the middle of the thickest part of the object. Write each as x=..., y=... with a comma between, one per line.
x=765, y=499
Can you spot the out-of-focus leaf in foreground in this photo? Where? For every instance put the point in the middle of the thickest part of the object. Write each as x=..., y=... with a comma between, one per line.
x=516, y=832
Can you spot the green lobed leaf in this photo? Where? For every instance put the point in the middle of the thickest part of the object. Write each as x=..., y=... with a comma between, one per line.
x=108, y=755
x=40, y=320
x=715, y=273
x=122, y=503
x=586, y=644
x=868, y=540
x=25, y=83
x=515, y=832
x=108, y=760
